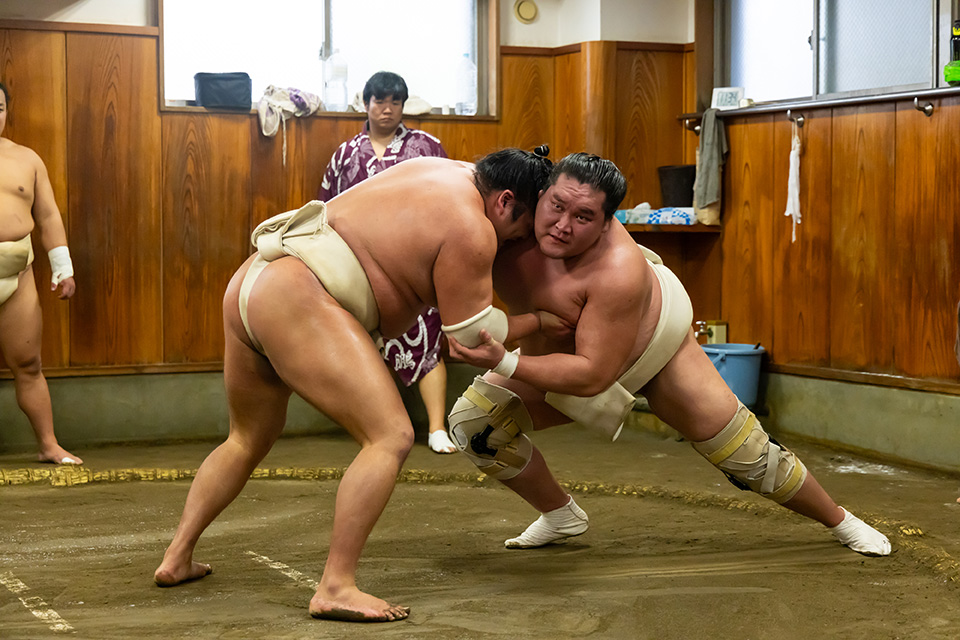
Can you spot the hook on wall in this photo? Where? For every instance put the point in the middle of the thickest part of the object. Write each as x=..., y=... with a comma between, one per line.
x=927, y=108
x=798, y=118
x=690, y=124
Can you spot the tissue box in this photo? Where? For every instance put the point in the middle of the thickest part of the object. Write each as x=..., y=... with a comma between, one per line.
x=672, y=215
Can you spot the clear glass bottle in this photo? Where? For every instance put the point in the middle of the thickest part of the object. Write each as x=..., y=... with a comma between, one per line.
x=335, y=82
x=466, y=87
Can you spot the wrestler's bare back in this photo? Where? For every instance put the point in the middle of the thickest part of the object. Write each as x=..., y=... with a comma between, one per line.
x=411, y=227
x=527, y=281
x=18, y=176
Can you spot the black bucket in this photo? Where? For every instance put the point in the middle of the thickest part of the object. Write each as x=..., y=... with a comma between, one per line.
x=676, y=185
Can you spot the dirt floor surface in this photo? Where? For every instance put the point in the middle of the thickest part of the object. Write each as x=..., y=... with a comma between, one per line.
x=674, y=550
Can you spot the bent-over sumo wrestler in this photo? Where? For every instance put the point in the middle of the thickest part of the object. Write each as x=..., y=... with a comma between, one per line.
x=306, y=312
x=624, y=326
x=27, y=203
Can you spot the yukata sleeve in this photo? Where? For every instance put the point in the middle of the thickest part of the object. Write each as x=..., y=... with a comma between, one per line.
x=330, y=185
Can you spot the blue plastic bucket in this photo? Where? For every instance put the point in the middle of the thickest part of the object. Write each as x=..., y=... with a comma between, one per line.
x=739, y=366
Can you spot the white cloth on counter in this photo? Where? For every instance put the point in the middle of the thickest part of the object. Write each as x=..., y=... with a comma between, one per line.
x=279, y=105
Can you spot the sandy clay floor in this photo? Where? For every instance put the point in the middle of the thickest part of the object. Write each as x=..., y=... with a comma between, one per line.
x=674, y=550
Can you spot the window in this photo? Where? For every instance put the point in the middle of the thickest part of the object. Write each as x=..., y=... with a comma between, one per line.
x=863, y=47
x=425, y=41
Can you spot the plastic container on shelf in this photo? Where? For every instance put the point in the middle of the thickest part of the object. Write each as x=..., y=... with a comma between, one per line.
x=466, y=87
x=335, y=82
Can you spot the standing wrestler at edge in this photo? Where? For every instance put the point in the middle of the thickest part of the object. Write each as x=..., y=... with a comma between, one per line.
x=624, y=327
x=27, y=202
x=383, y=142
x=305, y=313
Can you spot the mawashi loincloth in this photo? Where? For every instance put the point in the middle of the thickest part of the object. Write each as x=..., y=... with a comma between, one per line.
x=15, y=257
x=305, y=234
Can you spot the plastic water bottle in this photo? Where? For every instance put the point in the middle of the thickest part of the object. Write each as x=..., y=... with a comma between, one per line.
x=335, y=82
x=466, y=87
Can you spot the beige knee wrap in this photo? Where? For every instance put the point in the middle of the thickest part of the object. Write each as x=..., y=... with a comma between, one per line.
x=752, y=460
x=487, y=424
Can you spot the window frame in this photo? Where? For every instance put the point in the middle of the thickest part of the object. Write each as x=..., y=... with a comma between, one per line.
x=488, y=70
x=715, y=59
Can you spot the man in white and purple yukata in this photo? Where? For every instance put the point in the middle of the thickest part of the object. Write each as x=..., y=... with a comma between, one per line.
x=383, y=142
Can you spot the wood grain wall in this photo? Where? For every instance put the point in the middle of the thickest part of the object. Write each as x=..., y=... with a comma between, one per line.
x=868, y=292
x=159, y=205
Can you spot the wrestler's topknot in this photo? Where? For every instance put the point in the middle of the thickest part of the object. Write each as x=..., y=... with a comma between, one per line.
x=525, y=173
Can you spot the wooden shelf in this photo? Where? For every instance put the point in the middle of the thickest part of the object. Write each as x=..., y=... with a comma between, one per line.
x=672, y=228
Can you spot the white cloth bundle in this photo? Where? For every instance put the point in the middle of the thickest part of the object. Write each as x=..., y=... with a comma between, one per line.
x=279, y=105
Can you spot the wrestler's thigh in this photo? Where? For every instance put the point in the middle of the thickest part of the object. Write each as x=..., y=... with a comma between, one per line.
x=542, y=414
x=689, y=394
x=21, y=322
x=323, y=353
x=256, y=397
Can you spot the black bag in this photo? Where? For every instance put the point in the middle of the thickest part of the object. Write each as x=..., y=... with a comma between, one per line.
x=223, y=90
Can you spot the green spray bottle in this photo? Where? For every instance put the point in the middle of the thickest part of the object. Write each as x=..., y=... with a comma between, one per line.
x=951, y=71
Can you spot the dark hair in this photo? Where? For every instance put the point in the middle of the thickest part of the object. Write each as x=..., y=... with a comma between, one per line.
x=601, y=174
x=384, y=84
x=525, y=173
x=6, y=94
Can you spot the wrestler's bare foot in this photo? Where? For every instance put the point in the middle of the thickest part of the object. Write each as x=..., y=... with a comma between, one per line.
x=171, y=576
x=58, y=455
x=353, y=605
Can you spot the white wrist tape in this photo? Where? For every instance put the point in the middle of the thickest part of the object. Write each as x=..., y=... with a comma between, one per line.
x=508, y=364
x=61, y=266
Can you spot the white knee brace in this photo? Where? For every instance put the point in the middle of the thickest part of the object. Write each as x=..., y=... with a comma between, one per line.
x=487, y=424
x=752, y=460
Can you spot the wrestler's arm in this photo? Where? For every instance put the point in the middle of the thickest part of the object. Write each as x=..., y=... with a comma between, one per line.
x=605, y=334
x=462, y=276
x=50, y=229
x=522, y=322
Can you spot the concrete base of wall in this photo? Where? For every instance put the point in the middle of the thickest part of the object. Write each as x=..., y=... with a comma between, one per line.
x=914, y=427
x=899, y=425
x=100, y=410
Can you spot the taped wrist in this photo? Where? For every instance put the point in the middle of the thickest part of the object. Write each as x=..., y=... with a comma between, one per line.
x=467, y=332
x=61, y=267
x=508, y=364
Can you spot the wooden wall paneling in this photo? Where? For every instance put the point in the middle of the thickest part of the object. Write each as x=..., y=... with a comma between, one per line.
x=646, y=133
x=690, y=139
x=925, y=245
x=268, y=174
x=528, y=111
x=695, y=259
x=33, y=68
x=311, y=142
x=568, y=105
x=114, y=158
x=314, y=142
x=801, y=277
x=701, y=273
x=206, y=217
x=747, y=282
x=599, y=96
x=467, y=141
x=862, y=277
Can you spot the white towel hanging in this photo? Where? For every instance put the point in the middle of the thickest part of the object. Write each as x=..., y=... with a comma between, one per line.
x=793, y=182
